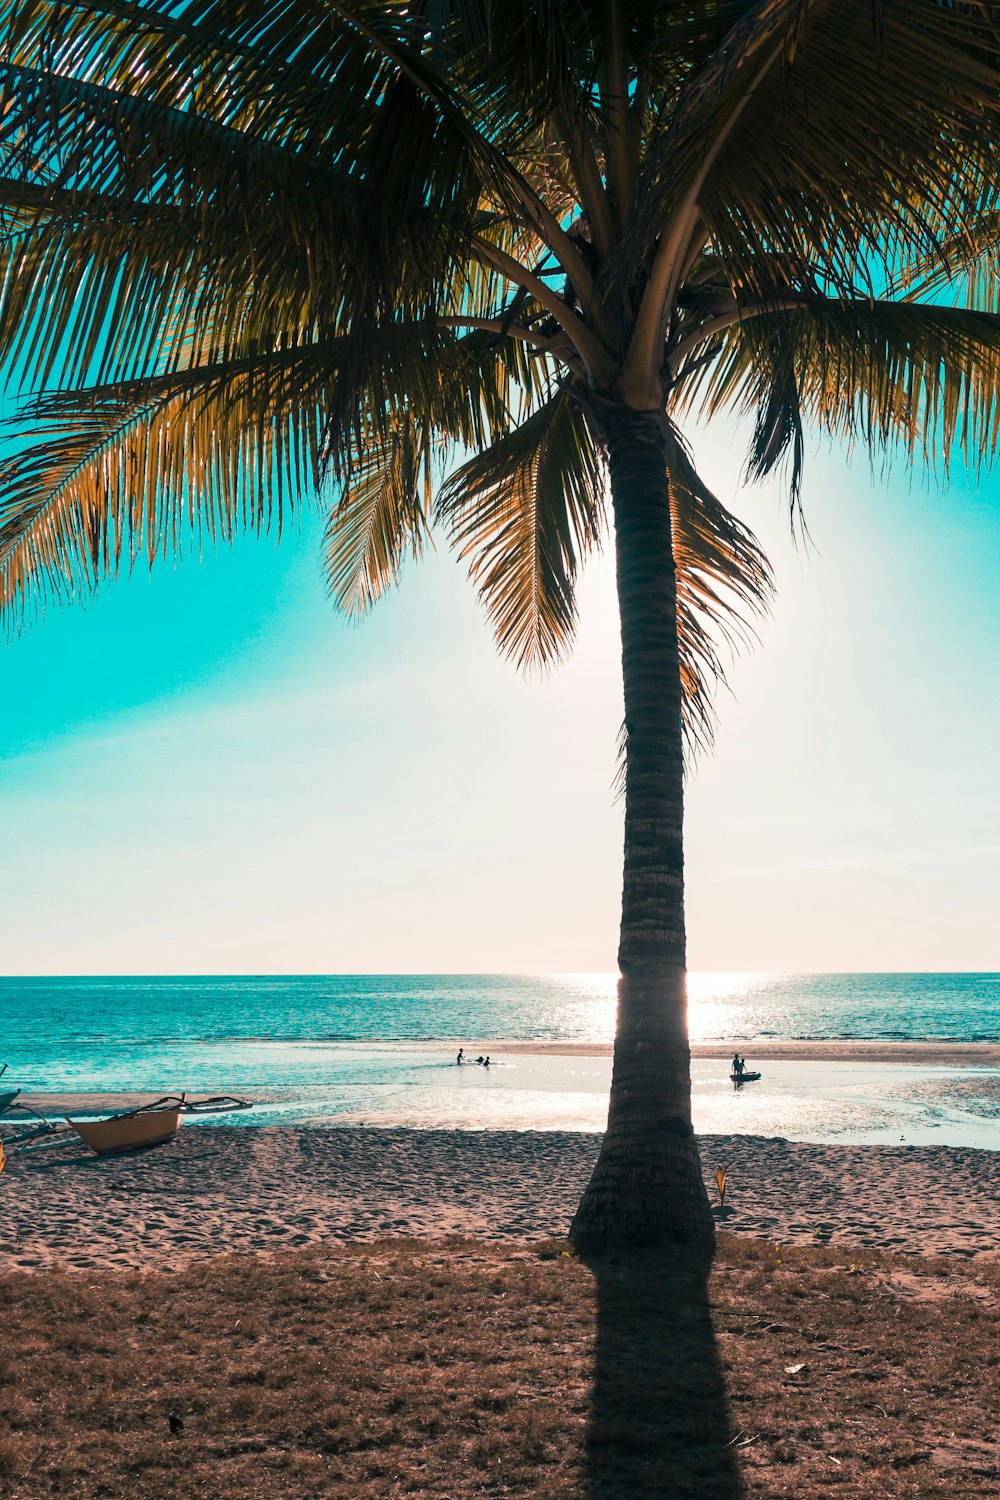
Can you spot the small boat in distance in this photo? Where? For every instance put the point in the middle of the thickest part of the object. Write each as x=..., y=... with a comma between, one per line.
x=744, y=1077
x=128, y=1131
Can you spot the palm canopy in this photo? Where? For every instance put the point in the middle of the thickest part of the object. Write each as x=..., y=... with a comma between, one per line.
x=253, y=251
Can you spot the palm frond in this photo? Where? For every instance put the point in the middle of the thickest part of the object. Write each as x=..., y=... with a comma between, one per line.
x=382, y=512
x=117, y=472
x=822, y=147
x=723, y=581
x=918, y=376
x=151, y=157
x=525, y=512
x=465, y=386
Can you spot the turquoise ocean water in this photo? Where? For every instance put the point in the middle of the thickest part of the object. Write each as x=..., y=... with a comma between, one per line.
x=318, y=1049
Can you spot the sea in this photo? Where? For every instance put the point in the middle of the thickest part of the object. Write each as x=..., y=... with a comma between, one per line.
x=370, y=1049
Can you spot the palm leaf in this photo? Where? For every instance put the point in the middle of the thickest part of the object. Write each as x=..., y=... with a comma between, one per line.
x=167, y=152
x=920, y=376
x=524, y=513
x=382, y=513
x=821, y=146
x=120, y=471
x=723, y=580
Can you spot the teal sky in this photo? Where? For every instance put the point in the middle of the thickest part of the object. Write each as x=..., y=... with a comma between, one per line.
x=207, y=771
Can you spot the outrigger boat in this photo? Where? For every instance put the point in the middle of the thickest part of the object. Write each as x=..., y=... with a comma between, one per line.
x=31, y=1133
x=148, y=1124
x=744, y=1077
x=126, y=1132
x=7, y=1096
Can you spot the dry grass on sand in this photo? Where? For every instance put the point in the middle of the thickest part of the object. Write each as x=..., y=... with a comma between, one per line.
x=457, y=1370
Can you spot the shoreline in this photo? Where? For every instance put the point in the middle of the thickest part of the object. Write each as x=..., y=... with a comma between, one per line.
x=947, y=1053
x=958, y=1057
x=261, y=1191
x=916, y=1053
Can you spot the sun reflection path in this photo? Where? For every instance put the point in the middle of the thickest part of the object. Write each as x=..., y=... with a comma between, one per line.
x=719, y=1005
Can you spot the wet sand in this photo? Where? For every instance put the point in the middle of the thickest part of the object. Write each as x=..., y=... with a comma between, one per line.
x=262, y=1190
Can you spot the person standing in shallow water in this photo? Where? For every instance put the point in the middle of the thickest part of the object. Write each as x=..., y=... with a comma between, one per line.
x=737, y=1064
x=461, y=1056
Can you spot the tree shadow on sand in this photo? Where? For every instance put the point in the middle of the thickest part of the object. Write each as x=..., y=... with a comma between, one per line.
x=659, y=1424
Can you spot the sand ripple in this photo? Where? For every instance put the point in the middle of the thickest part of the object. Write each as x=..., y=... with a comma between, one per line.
x=257, y=1190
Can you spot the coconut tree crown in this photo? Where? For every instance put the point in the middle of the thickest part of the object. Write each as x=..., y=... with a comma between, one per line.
x=256, y=252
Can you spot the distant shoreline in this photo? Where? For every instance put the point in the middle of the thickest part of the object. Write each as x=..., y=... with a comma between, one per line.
x=947, y=1053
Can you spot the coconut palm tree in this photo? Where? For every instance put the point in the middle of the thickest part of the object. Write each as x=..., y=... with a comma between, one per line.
x=257, y=251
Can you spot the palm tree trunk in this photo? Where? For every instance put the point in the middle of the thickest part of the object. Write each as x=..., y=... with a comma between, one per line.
x=647, y=1185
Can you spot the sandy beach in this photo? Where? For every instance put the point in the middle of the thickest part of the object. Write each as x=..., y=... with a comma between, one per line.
x=258, y=1191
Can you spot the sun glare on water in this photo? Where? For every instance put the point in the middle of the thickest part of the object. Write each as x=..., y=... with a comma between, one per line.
x=713, y=1002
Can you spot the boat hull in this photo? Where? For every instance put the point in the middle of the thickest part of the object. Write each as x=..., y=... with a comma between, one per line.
x=128, y=1133
x=744, y=1077
x=7, y=1098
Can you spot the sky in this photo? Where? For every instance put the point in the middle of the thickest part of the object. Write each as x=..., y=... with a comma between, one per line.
x=207, y=771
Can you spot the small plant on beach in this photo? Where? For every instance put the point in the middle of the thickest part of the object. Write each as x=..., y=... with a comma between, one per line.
x=255, y=251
